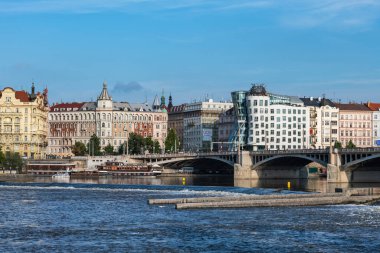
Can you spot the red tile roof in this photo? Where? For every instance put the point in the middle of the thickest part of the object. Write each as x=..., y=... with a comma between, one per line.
x=178, y=108
x=352, y=107
x=65, y=106
x=22, y=96
x=373, y=106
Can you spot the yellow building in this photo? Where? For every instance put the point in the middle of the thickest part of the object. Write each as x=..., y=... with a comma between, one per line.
x=23, y=122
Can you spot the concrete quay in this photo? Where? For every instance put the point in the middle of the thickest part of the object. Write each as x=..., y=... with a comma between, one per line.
x=240, y=198
x=339, y=200
x=351, y=197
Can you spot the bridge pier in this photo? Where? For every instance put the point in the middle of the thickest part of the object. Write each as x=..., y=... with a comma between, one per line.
x=244, y=169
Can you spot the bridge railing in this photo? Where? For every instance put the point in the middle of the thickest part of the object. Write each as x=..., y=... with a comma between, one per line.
x=290, y=151
x=358, y=150
x=174, y=155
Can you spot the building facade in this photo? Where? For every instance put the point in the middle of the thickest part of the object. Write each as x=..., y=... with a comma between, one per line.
x=355, y=124
x=226, y=127
x=324, y=125
x=23, y=117
x=175, y=120
x=111, y=121
x=271, y=121
x=200, y=124
x=375, y=107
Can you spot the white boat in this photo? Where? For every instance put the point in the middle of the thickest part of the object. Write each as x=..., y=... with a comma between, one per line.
x=65, y=174
x=61, y=175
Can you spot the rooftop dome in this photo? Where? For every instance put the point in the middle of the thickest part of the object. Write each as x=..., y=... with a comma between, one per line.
x=258, y=90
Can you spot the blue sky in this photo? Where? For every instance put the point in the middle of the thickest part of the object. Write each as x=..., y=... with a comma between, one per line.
x=191, y=48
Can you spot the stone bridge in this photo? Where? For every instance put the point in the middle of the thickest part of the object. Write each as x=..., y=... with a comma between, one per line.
x=343, y=165
x=222, y=161
x=354, y=165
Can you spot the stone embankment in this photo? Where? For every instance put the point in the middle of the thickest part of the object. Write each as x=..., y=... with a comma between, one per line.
x=283, y=200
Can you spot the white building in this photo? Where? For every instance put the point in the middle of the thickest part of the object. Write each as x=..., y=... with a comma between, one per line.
x=111, y=121
x=274, y=121
x=200, y=124
x=324, y=127
x=375, y=107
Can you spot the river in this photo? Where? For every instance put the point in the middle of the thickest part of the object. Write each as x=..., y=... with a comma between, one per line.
x=113, y=216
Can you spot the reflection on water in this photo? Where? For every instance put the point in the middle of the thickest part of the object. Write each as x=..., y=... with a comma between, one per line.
x=196, y=180
x=311, y=184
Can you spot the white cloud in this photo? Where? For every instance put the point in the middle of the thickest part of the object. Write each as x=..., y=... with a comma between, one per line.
x=330, y=13
x=293, y=13
x=83, y=6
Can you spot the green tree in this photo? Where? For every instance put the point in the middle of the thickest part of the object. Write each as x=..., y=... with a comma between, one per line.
x=148, y=144
x=93, y=147
x=2, y=159
x=338, y=145
x=350, y=144
x=79, y=149
x=13, y=161
x=156, y=147
x=122, y=148
x=171, y=141
x=135, y=144
x=109, y=149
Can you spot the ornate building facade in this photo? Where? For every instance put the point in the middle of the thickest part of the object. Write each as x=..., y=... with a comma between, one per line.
x=23, y=117
x=355, y=124
x=111, y=121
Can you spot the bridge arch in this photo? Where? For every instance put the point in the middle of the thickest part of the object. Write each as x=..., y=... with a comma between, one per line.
x=302, y=158
x=352, y=166
x=182, y=159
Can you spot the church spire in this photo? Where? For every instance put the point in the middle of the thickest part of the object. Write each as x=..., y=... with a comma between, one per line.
x=162, y=99
x=170, y=105
x=104, y=95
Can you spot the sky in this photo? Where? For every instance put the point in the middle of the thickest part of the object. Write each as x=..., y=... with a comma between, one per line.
x=192, y=49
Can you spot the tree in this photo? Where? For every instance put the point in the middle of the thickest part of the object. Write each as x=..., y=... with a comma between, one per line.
x=2, y=159
x=156, y=147
x=149, y=144
x=338, y=145
x=122, y=148
x=13, y=161
x=93, y=147
x=79, y=149
x=109, y=149
x=135, y=144
x=171, y=141
x=350, y=144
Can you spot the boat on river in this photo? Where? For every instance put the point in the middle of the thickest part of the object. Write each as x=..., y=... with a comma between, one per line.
x=123, y=169
x=61, y=175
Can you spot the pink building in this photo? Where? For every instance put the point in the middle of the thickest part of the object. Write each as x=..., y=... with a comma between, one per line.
x=355, y=124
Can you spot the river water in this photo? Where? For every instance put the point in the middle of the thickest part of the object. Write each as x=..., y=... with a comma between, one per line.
x=113, y=216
